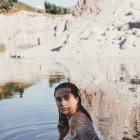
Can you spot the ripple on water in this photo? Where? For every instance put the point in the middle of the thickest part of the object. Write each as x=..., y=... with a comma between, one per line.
x=38, y=131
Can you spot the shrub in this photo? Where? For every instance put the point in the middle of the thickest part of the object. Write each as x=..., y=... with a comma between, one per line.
x=65, y=10
x=53, y=9
x=6, y=5
x=10, y=3
x=15, y=1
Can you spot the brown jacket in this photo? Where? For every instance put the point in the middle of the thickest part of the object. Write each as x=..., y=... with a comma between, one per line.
x=81, y=128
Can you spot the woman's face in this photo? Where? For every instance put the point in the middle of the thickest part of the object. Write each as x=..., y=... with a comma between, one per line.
x=66, y=102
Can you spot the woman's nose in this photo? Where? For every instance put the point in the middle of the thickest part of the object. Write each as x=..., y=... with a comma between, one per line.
x=63, y=102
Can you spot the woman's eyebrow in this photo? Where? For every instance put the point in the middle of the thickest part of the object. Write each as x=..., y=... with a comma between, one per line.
x=66, y=96
x=58, y=97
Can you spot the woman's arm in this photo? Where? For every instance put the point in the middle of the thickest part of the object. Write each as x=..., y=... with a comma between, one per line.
x=85, y=132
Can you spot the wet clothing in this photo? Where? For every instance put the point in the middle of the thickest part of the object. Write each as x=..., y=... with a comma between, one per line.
x=80, y=128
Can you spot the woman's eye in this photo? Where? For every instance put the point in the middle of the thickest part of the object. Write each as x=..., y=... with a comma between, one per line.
x=58, y=99
x=66, y=97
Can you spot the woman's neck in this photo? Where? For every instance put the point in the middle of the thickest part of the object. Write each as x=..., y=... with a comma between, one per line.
x=72, y=113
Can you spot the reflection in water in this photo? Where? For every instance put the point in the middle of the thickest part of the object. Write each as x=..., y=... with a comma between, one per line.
x=114, y=119
x=9, y=89
x=113, y=99
x=55, y=78
x=135, y=123
x=33, y=117
x=21, y=91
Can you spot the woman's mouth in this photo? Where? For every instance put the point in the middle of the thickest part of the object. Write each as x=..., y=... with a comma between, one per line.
x=63, y=109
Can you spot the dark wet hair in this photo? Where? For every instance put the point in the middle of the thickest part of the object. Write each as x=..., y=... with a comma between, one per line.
x=75, y=91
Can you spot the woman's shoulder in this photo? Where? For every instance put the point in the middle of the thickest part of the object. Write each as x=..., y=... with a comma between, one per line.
x=77, y=119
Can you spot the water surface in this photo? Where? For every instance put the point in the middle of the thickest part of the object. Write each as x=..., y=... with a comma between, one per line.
x=27, y=105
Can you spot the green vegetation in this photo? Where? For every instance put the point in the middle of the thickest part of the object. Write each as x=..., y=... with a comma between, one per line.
x=2, y=48
x=53, y=9
x=15, y=1
x=7, y=4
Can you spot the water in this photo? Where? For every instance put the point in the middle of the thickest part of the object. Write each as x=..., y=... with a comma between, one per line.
x=115, y=106
x=30, y=116
x=27, y=106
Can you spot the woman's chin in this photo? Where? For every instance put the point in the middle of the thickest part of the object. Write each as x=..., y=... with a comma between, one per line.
x=64, y=112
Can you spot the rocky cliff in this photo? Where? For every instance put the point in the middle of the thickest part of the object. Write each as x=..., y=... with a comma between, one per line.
x=92, y=6
x=98, y=27
x=106, y=27
x=26, y=30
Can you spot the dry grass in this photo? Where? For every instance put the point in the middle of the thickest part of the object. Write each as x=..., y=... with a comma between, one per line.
x=26, y=46
x=2, y=48
x=22, y=6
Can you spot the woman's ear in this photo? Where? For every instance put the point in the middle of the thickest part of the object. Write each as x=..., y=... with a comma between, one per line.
x=77, y=98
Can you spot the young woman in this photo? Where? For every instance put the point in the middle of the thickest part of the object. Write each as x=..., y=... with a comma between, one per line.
x=74, y=123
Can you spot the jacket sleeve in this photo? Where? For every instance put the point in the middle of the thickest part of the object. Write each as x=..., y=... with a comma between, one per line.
x=85, y=132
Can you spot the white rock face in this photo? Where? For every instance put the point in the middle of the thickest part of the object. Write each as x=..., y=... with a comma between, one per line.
x=115, y=28
x=113, y=32
x=92, y=6
x=26, y=30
